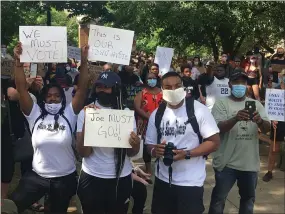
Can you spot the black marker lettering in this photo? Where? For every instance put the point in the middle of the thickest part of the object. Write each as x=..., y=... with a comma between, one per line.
x=28, y=36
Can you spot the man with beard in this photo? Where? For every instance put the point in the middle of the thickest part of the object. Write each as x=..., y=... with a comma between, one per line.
x=215, y=85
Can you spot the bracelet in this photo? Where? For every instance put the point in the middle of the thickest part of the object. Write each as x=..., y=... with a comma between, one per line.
x=151, y=152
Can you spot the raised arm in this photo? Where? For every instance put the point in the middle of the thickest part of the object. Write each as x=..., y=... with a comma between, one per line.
x=26, y=102
x=81, y=92
x=137, y=105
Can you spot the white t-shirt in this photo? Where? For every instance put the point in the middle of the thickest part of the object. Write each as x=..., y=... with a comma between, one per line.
x=219, y=88
x=185, y=172
x=53, y=154
x=101, y=162
x=68, y=95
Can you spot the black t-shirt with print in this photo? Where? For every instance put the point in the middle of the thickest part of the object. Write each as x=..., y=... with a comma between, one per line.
x=191, y=87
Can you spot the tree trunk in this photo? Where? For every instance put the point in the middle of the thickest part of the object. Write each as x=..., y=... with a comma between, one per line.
x=266, y=46
x=239, y=44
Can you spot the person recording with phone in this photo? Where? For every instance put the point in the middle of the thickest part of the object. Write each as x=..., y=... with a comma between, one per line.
x=238, y=118
x=183, y=131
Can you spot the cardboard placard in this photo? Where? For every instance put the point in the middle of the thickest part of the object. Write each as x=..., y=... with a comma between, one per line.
x=7, y=67
x=275, y=104
x=43, y=44
x=163, y=58
x=110, y=44
x=94, y=71
x=74, y=53
x=277, y=65
x=108, y=128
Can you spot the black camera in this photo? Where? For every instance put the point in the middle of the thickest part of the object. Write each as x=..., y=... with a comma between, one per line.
x=168, y=154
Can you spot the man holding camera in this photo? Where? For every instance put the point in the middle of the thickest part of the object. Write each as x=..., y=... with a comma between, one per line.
x=238, y=118
x=180, y=133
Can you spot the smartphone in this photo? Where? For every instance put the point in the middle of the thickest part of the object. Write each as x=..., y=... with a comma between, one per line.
x=33, y=70
x=251, y=108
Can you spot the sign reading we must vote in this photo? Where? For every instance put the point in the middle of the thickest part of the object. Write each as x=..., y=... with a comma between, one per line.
x=275, y=104
x=108, y=128
x=110, y=44
x=43, y=44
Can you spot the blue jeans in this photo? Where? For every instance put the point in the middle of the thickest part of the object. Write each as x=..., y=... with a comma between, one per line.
x=225, y=180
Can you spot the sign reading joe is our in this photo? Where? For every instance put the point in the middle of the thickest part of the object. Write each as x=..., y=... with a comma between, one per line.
x=110, y=44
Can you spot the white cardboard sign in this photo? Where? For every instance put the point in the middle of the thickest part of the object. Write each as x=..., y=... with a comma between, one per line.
x=163, y=58
x=275, y=104
x=108, y=128
x=110, y=44
x=74, y=52
x=43, y=44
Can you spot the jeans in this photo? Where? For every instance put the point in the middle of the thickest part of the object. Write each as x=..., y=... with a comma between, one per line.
x=246, y=182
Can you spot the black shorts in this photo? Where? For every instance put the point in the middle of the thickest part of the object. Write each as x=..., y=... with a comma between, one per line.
x=176, y=199
x=252, y=81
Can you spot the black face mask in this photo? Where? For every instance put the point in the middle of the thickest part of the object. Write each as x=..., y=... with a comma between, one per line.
x=105, y=99
x=280, y=55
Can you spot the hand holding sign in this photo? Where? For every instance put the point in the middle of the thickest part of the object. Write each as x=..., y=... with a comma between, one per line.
x=84, y=53
x=109, y=128
x=43, y=43
x=18, y=50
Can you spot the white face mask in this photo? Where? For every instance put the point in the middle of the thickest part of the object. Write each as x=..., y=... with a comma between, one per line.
x=67, y=68
x=174, y=97
x=53, y=108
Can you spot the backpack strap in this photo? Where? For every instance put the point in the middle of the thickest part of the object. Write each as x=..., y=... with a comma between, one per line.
x=158, y=118
x=192, y=119
x=39, y=117
x=64, y=117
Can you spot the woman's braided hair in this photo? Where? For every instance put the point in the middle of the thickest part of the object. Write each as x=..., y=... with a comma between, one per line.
x=43, y=96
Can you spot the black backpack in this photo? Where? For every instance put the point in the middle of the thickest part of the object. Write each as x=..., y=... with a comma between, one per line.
x=191, y=119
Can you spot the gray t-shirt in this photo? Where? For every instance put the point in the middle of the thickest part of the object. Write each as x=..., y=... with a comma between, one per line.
x=239, y=147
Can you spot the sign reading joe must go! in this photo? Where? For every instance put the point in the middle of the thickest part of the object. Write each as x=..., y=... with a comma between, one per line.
x=43, y=44
x=110, y=44
x=108, y=128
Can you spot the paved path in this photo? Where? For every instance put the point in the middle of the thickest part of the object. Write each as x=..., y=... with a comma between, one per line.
x=269, y=196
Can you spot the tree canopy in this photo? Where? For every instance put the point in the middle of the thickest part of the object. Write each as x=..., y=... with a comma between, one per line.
x=233, y=26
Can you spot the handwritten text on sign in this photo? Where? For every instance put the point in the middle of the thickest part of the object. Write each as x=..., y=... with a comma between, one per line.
x=163, y=58
x=74, y=53
x=43, y=44
x=110, y=44
x=275, y=104
x=108, y=128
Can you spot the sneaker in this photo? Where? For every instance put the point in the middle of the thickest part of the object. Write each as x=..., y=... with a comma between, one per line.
x=267, y=177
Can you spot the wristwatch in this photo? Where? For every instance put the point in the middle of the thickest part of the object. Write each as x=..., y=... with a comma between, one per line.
x=187, y=156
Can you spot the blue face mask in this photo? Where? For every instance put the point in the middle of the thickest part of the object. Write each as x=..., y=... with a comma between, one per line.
x=152, y=82
x=238, y=91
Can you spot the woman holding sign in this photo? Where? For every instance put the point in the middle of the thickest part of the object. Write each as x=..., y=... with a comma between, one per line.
x=277, y=137
x=105, y=183
x=51, y=122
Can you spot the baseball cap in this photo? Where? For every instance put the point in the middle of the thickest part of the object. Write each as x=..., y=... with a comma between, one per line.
x=237, y=73
x=109, y=79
